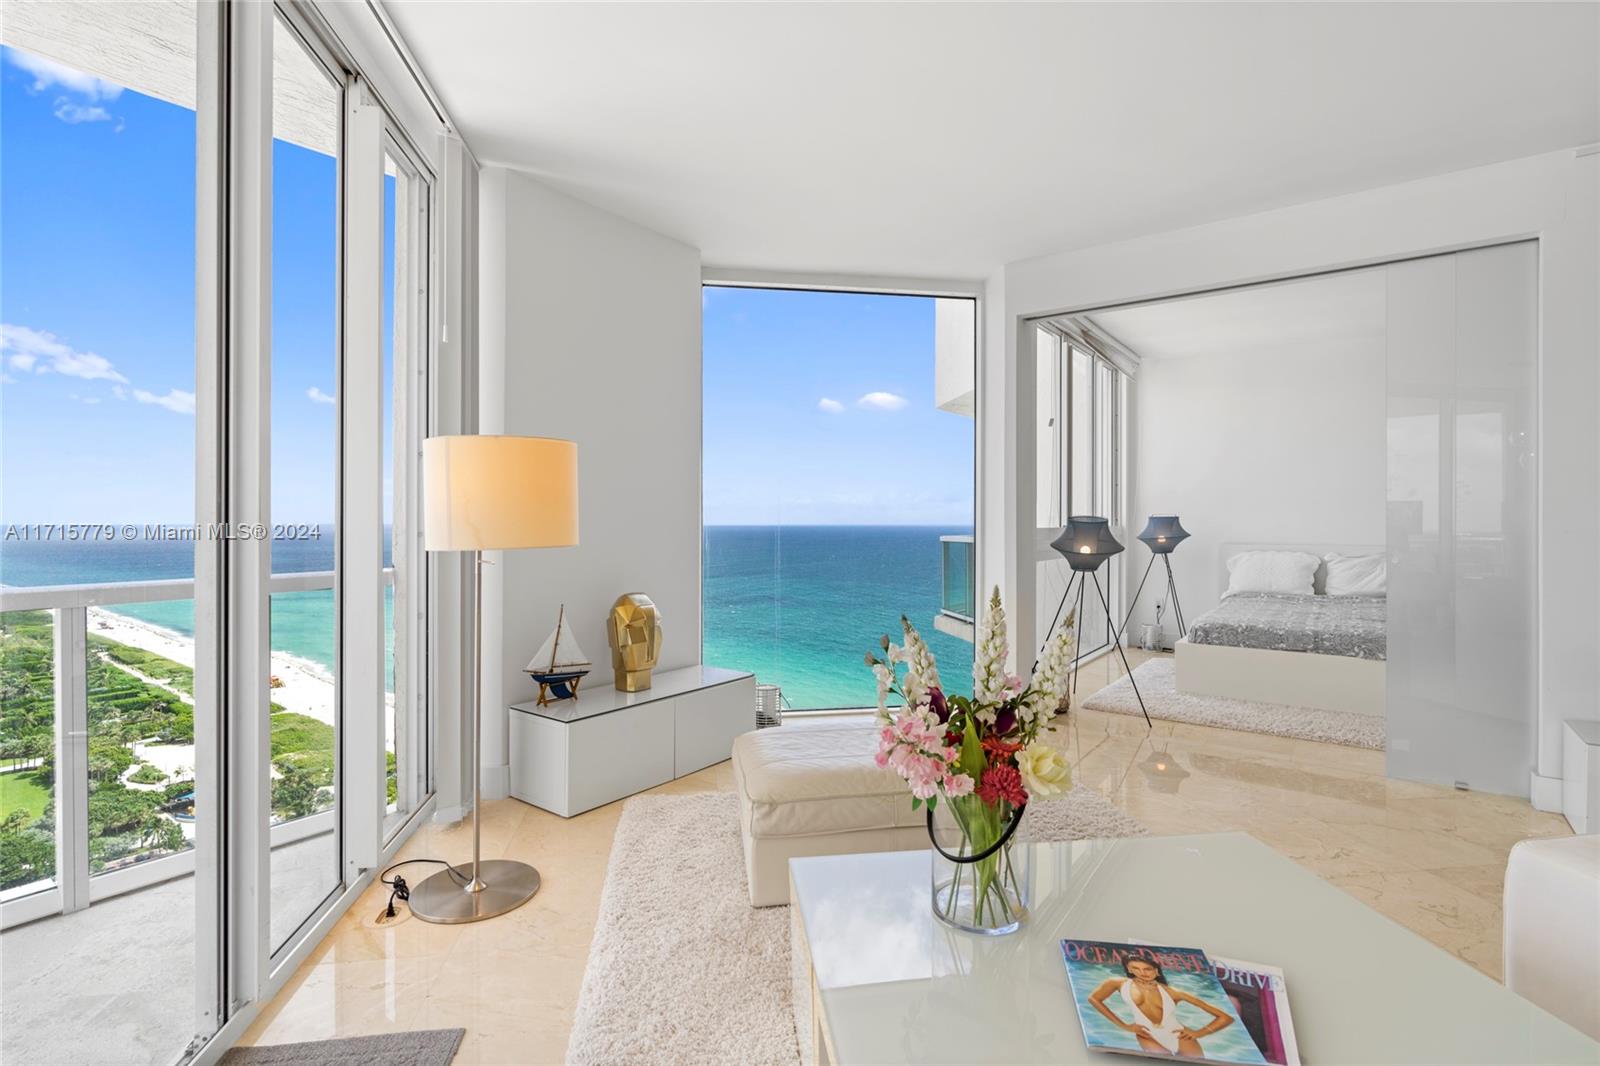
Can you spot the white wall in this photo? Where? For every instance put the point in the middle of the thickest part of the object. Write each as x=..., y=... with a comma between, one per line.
x=1554, y=197
x=590, y=331
x=1284, y=447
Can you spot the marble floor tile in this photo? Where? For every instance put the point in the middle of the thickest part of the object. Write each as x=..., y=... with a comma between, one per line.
x=1428, y=857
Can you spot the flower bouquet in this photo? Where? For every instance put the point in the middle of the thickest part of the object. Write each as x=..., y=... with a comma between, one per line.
x=983, y=757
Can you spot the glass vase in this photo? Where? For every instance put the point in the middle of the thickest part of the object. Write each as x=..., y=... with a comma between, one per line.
x=980, y=884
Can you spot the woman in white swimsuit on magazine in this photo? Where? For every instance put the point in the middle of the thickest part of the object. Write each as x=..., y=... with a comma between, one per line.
x=1154, y=1006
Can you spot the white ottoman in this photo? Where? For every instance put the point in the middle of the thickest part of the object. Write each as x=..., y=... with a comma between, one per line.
x=812, y=788
x=1552, y=927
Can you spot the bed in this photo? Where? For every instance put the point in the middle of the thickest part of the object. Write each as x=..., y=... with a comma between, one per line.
x=1316, y=650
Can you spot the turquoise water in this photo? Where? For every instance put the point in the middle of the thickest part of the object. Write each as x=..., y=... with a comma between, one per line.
x=302, y=622
x=799, y=606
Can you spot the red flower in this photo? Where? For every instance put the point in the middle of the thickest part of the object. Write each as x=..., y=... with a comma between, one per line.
x=1002, y=782
x=1000, y=748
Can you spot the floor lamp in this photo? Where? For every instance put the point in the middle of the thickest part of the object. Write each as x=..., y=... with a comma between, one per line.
x=1085, y=543
x=491, y=493
x=1161, y=535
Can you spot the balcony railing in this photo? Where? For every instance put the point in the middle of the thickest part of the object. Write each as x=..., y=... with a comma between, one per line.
x=959, y=574
x=58, y=669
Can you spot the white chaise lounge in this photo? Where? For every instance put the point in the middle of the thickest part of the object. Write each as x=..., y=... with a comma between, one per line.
x=812, y=788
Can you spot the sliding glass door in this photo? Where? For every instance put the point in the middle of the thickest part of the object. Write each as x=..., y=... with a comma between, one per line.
x=307, y=100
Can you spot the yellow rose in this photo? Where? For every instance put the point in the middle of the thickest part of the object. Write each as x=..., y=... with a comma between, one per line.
x=1045, y=773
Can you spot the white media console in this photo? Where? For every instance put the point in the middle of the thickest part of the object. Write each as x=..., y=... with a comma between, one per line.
x=581, y=753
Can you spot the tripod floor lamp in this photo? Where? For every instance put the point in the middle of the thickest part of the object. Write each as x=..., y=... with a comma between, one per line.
x=491, y=493
x=1161, y=535
x=1085, y=543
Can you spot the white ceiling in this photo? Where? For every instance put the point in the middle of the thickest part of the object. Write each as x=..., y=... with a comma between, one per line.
x=1322, y=314
x=948, y=139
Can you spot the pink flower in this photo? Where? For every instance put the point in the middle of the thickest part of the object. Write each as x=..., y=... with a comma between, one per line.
x=956, y=785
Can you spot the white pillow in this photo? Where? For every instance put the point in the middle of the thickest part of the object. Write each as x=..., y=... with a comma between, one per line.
x=1272, y=572
x=1350, y=575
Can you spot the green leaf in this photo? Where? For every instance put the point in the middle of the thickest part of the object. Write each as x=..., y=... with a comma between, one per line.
x=933, y=801
x=972, y=761
x=915, y=803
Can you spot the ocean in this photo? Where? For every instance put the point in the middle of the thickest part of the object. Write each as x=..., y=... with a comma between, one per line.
x=302, y=622
x=798, y=606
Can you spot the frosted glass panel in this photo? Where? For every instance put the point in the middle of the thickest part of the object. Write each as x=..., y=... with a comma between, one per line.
x=1461, y=480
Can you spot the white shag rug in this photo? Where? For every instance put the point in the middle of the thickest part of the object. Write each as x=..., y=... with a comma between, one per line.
x=1157, y=680
x=682, y=970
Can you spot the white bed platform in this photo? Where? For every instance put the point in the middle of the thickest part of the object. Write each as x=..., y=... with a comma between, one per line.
x=1295, y=678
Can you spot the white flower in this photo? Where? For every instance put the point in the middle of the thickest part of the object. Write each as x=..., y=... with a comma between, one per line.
x=922, y=672
x=1053, y=677
x=885, y=677
x=1045, y=773
x=989, y=658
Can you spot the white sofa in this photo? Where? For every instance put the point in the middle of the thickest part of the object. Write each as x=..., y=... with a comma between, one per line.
x=1552, y=927
x=812, y=788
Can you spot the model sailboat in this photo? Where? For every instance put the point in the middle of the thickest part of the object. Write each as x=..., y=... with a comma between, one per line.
x=559, y=665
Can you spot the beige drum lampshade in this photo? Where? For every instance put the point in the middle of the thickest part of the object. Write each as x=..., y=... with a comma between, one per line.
x=488, y=493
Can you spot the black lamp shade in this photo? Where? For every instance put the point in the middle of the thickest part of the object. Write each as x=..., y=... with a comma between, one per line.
x=1163, y=533
x=1086, y=542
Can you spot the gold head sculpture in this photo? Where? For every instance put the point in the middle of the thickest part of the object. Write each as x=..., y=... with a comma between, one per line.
x=634, y=629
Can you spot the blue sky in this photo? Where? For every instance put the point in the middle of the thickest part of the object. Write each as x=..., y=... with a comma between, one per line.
x=97, y=252
x=819, y=411
x=818, y=406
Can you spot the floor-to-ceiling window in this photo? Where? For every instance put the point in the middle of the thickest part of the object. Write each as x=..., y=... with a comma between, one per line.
x=173, y=502
x=1078, y=463
x=99, y=819
x=838, y=492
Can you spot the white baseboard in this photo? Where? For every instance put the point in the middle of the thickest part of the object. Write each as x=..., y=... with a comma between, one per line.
x=1545, y=793
x=449, y=815
x=496, y=782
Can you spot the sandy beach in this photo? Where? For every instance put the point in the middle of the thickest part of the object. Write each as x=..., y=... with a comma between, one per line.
x=307, y=688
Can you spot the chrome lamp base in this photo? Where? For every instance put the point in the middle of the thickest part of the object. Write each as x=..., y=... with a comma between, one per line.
x=502, y=885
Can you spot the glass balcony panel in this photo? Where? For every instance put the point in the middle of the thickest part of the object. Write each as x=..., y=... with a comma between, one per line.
x=27, y=753
x=140, y=684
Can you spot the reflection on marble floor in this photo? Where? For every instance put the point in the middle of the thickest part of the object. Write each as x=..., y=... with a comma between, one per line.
x=1430, y=858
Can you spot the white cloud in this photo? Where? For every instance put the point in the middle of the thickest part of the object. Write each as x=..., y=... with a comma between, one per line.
x=90, y=400
x=176, y=400
x=47, y=72
x=45, y=353
x=832, y=407
x=7, y=379
x=882, y=401
x=119, y=392
x=316, y=395
x=74, y=113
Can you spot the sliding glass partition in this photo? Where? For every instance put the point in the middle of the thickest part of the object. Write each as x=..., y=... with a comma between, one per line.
x=838, y=492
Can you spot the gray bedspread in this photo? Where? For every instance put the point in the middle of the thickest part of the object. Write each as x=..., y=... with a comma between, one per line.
x=1353, y=626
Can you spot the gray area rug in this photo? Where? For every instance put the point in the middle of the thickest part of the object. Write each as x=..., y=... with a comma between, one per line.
x=422, y=1047
x=683, y=970
x=1157, y=679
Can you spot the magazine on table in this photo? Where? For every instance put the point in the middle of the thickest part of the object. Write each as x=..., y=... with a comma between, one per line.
x=1261, y=1001
x=1161, y=1002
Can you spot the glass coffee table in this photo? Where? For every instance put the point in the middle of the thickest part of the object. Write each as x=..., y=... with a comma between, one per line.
x=879, y=980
